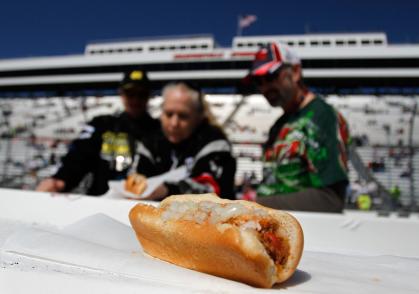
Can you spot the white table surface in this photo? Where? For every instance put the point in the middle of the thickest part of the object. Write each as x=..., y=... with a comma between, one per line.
x=66, y=244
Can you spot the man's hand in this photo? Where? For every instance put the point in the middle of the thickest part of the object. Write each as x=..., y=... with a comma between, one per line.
x=51, y=185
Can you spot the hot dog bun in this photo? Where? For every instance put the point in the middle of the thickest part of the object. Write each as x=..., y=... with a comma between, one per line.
x=136, y=183
x=230, y=239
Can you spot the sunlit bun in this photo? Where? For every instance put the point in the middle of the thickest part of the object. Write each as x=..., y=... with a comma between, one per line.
x=238, y=240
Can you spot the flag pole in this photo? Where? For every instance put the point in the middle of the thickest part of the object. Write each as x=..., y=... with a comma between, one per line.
x=239, y=28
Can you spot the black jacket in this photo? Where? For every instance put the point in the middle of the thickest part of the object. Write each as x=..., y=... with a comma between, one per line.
x=206, y=154
x=96, y=150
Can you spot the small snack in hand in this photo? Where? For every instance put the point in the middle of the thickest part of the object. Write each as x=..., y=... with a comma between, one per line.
x=136, y=183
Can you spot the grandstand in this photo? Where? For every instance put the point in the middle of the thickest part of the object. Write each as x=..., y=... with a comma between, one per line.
x=43, y=127
x=46, y=100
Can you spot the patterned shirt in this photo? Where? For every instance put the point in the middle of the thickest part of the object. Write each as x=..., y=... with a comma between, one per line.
x=305, y=149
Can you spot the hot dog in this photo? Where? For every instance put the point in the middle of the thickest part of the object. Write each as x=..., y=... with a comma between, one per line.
x=238, y=240
x=136, y=183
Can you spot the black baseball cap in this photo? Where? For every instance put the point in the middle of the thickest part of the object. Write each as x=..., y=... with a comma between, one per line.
x=133, y=79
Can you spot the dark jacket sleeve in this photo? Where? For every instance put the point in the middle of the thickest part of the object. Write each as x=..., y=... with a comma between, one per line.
x=145, y=160
x=82, y=155
x=213, y=172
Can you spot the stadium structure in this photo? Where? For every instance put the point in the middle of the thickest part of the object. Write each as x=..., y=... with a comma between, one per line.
x=373, y=83
x=334, y=63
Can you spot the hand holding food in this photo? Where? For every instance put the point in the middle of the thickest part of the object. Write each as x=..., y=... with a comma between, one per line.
x=136, y=183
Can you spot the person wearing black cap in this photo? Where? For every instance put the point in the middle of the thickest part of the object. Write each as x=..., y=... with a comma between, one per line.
x=106, y=145
x=305, y=159
x=190, y=139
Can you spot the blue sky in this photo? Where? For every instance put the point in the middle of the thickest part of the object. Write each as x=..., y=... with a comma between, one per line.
x=44, y=28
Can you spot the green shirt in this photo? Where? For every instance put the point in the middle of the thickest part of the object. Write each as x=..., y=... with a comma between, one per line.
x=305, y=149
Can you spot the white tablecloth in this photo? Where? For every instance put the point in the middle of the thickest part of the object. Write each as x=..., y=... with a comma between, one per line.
x=77, y=244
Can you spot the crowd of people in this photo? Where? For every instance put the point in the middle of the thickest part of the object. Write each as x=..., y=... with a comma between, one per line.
x=305, y=162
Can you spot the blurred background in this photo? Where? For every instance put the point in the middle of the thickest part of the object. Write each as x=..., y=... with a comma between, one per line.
x=60, y=64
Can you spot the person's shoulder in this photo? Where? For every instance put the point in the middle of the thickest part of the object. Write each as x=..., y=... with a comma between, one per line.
x=325, y=114
x=322, y=108
x=321, y=102
x=146, y=122
x=103, y=120
x=210, y=132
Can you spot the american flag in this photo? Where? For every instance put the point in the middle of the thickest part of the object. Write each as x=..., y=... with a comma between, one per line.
x=246, y=20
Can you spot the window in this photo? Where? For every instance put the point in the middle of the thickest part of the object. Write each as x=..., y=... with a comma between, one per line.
x=314, y=43
x=340, y=42
x=239, y=45
x=378, y=42
x=326, y=43
x=351, y=42
x=365, y=42
x=290, y=43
